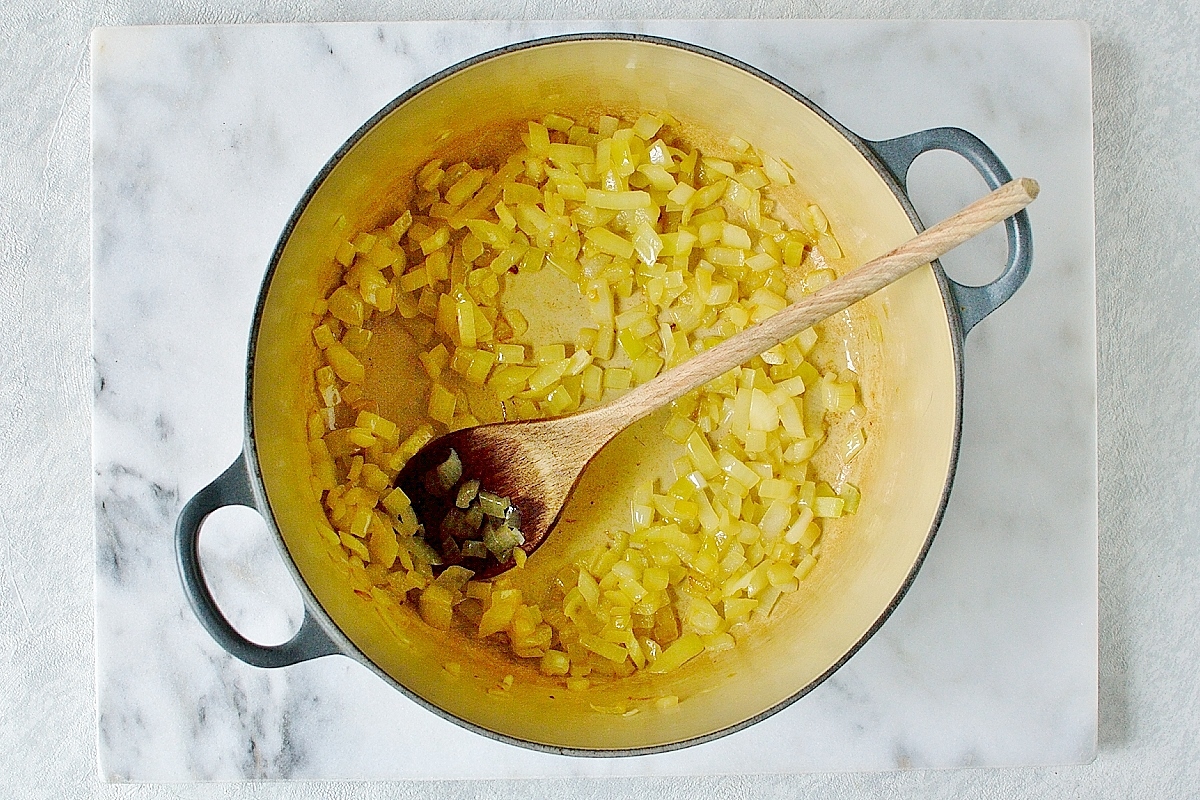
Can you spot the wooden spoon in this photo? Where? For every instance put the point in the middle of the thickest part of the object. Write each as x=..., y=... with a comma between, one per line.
x=536, y=463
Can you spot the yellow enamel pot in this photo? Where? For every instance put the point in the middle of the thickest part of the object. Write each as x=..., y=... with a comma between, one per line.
x=908, y=339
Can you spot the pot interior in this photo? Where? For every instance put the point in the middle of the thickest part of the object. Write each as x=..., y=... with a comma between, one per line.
x=900, y=341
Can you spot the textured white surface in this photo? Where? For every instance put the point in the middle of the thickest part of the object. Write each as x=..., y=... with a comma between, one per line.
x=1146, y=67
x=204, y=137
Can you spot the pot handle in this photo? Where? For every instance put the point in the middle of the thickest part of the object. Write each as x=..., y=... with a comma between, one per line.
x=232, y=487
x=973, y=302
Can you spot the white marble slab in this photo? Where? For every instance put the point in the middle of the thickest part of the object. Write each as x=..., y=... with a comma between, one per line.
x=203, y=141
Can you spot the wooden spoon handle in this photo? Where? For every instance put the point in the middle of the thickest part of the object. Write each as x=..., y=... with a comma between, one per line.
x=827, y=301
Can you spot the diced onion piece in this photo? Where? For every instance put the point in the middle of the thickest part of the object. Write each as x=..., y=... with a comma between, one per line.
x=558, y=401
x=804, y=567
x=449, y=471
x=436, y=606
x=734, y=236
x=646, y=126
x=509, y=380
x=499, y=613
x=774, y=169
x=345, y=364
x=610, y=650
x=618, y=200
x=681, y=194
x=549, y=354
x=796, y=533
x=473, y=548
x=617, y=378
x=548, y=374
x=659, y=178
x=679, y=428
x=420, y=549
x=557, y=122
x=593, y=378
x=517, y=320
x=555, y=662
x=683, y=649
x=564, y=154
x=500, y=540
x=764, y=416
x=347, y=305
x=818, y=279
x=514, y=354
x=441, y=404
x=466, y=493
x=775, y=519
x=539, y=139
x=579, y=361
x=493, y=505
x=851, y=495
x=610, y=242
x=647, y=243
x=702, y=456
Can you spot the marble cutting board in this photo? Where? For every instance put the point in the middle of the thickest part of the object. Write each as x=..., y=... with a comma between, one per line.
x=204, y=138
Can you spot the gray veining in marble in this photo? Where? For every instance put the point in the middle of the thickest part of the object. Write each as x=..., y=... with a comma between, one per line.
x=203, y=140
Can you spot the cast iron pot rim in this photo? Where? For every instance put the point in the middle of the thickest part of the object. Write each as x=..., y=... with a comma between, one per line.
x=335, y=633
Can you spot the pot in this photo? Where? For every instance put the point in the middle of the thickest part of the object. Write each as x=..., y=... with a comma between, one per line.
x=911, y=335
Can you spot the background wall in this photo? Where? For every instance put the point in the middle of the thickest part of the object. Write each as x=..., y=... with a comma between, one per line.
x=1146, y=70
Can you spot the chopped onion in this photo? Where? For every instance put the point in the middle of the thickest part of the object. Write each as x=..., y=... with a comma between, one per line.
x=673, y=250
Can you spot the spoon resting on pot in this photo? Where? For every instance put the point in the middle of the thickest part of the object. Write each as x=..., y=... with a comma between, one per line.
x=515, y=477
